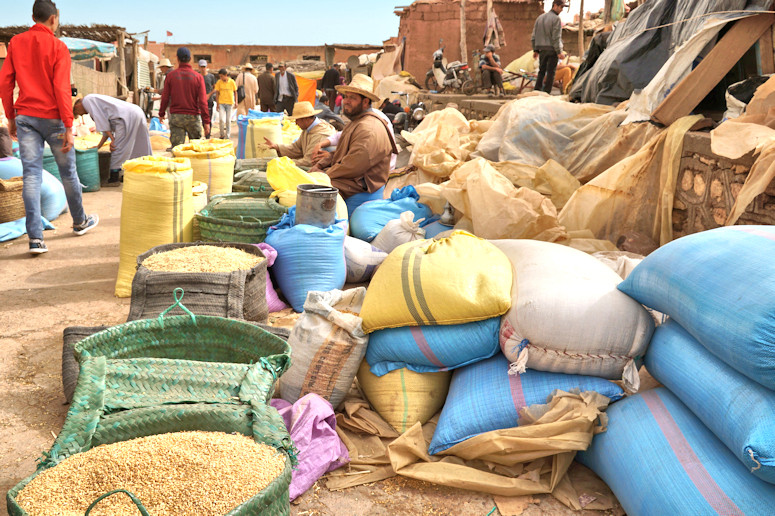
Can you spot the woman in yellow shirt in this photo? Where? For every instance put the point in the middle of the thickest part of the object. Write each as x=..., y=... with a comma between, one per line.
x=225, y=92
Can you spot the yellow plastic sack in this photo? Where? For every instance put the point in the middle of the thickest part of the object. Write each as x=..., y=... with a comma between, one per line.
x=452, y=280
x=291, y=131
x=212, y=162
x=257, y=130
x=156, y=209
x=284, y=176
x=89, y=141
x=403, y=397
x=199, y=193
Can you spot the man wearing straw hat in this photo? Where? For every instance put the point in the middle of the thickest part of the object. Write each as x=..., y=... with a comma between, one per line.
x=249, y=85
x=361, y=162
x=314, y=130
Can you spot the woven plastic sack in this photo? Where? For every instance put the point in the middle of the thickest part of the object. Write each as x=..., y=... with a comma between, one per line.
x=452, y=280
x=312, y=424
x=273, y=301
x=252, y=145
x=156, y=209
x=719, y=285
x=199, y=193
x=212, y=162
x=567, y=315
x=87, y=164
x=426, y=349
x=308, y=258
x=327, y=346
x=738, y=410
x=399, y=231
x=369, y=218
x=284, y=176
x=484, y=397
x=658, y=459
x=403, y=397
x=242, y=127
x=361, y=259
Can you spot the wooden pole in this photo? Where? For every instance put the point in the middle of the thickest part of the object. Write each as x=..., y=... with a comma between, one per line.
x=123, y=90
x=581, y=29
x=135, y=84
x=489, y=15
x=463, y=45
x=58, y=32
x=607, y=11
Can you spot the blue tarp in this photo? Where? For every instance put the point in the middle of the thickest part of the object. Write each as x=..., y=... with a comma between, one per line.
x=86, y=49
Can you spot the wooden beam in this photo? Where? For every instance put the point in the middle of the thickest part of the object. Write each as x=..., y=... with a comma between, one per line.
x=694, y=87
x=135, y=82
x=581, y=29
x=767, y=53
x=121, y=64
x=463, y=45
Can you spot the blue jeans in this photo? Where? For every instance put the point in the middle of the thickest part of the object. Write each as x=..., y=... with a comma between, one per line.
x=32, y=132
x=224, y=120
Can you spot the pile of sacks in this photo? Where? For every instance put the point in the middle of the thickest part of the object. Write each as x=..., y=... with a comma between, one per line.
x=704, y=443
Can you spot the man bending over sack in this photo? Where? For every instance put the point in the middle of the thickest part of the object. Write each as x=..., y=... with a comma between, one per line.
x=361, y=162
x=123, y=123
x=314, y=130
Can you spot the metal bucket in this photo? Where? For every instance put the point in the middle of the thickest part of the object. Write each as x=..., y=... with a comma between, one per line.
x=316, y=205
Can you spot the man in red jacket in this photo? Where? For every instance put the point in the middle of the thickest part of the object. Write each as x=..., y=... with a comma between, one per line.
x=40, y=64
x=184, y=94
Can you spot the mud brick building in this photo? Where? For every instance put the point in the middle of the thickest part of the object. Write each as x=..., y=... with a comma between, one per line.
x=424, y=22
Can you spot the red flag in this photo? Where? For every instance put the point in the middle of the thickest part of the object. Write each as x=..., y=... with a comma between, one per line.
x=169, y=34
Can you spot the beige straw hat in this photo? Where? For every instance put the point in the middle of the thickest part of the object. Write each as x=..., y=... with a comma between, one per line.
x=165, y=62
x=304, y=109
x=362, y=85
x=248, y=65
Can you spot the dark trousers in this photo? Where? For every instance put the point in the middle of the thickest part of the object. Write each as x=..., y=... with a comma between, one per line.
x=547, y=60
x=286, y=103
x=331, y=94
x=267, y=106
x=492, y=78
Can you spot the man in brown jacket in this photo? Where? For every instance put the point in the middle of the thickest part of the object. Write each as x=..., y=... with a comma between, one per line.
x=361, y=162
x=314, y=130
x=266, y=89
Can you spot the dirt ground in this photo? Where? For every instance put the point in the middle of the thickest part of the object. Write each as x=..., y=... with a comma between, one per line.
x=72, y=285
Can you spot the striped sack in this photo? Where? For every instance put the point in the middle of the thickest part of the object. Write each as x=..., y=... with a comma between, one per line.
x=719, y=285
x=484, y=397
x=426, y=349
x=659, y=459
x=738, y=410
x=453, y=280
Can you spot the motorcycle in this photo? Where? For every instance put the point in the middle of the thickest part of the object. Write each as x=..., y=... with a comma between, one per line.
x=411, y=117
x=454, y=76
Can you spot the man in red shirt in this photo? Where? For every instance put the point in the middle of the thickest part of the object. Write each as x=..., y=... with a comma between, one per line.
x=184, y=94
x=40, y=64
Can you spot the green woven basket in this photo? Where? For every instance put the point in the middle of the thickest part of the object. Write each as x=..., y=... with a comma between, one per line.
x=252, y=181
x=190, y=337
x=121, y=399
x=87, y=164
x=239, y=217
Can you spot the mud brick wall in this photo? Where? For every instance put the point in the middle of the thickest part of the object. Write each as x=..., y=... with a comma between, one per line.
x=708, y=186
x=424, y=23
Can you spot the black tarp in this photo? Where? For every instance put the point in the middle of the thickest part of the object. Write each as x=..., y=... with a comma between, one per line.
x=634, y=54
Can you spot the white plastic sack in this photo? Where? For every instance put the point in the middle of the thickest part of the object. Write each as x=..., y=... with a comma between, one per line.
x=567, y=315
x=399, y=231
x=361, y=259
x=327, y=346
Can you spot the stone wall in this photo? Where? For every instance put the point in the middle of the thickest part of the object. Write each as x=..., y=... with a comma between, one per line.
x=708, y=186
x=426, y=21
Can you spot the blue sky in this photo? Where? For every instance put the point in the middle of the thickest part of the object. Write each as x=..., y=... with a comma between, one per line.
x=236, y=22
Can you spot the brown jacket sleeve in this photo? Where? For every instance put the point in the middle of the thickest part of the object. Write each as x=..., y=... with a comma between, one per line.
x=367, y=149
x=292, y=150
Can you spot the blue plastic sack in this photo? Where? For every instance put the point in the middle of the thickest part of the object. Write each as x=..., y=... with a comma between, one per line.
x=308, y=258
x=369, y=218
x=18, y=227
x=52, y=194
x=484, y=397
x=156, y=125
x=738, y=410
x=434, y=228
x=428, y=349
x=356, y=200
x=719, y=285
x=659, y=459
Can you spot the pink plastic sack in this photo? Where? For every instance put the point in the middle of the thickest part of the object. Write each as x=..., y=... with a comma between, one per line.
x=273, y=301
x=312, y=425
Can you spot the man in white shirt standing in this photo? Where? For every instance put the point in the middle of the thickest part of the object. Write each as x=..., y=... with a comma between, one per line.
x=287, y=90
